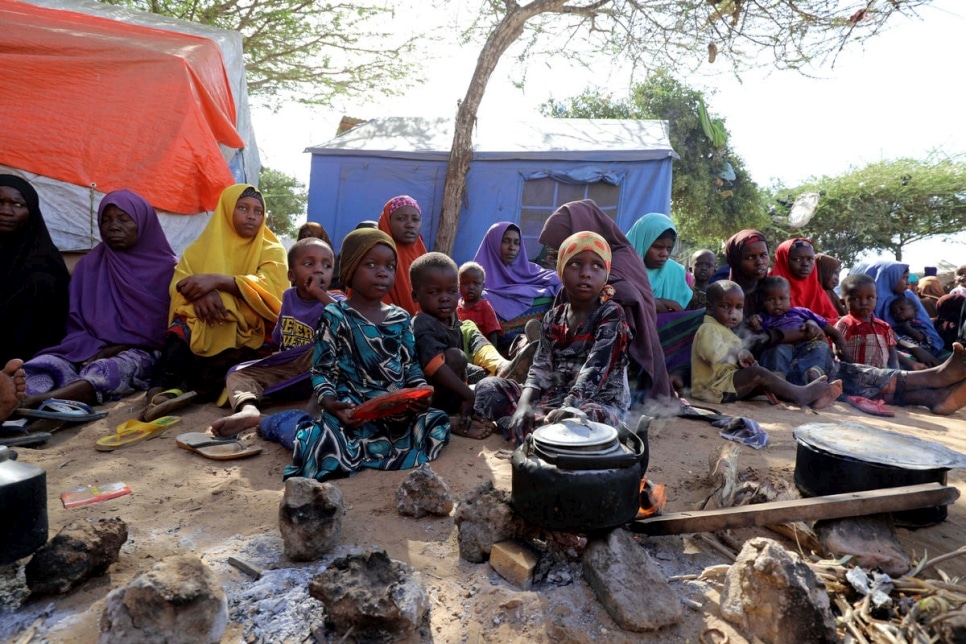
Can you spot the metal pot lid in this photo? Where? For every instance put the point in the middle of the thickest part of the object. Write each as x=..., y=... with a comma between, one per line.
x=865, y=443
x=576, y=434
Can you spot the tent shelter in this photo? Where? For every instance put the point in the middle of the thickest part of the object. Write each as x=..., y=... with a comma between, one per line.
x=521, y=172
x=95, y=98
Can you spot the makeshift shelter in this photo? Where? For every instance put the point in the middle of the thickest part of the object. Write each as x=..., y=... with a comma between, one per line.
x=96, y=98
x=521, y=172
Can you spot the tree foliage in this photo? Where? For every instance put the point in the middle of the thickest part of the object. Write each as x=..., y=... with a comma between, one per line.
x=651, y=34
x=884, y=206
x=285, y=200
x=706, y=204
x=309, y=50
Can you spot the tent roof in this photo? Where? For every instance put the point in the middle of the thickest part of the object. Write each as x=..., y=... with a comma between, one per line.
x=419, y=138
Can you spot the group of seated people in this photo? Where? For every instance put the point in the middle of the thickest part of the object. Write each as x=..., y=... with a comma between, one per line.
x=616, y=321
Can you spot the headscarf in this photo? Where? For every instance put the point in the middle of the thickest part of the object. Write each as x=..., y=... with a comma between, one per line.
x=316, y=230
x=355, y=246
x=120, y=297
x=402, y=291
x=259, y=267
x=887, y=274
x=733, y=248
x=670, y=281
x=578, y=243
x=826, y=266
x=930, y=292
x=629, y=279
x=512, y=289
x=807, y=293
x=33, y=282
x=949, y=318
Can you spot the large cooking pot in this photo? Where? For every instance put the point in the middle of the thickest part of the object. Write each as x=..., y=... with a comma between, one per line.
x=579, y=476
x=23, y=502
x=853, y=457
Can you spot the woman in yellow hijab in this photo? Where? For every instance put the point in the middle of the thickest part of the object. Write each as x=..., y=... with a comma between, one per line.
x=225, y=297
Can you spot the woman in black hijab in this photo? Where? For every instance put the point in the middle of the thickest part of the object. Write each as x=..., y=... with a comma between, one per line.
x=33, y=276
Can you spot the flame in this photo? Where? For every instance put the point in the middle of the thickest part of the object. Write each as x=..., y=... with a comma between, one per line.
x=653, y=499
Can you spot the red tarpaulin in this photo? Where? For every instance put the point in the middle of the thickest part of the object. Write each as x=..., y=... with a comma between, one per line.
x=88, y=100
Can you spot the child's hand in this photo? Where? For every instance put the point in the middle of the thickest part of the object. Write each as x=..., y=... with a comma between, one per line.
x=521, y=423
x=315, y=288
x=754, y=321
x=746, y=359
x=811, y=330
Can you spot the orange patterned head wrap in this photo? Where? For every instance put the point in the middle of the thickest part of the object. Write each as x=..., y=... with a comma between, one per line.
x=578, y=243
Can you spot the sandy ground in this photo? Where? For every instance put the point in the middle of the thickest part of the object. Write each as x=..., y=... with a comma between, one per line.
x=182, y=502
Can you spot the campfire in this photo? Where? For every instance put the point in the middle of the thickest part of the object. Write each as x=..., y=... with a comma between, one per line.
x=653, y=499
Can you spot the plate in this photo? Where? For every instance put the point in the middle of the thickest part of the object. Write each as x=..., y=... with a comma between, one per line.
x=391, y=403
x=865, y=443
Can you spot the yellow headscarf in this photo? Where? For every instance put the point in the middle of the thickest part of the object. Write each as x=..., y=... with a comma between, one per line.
x=578, y=243
x=259, y=267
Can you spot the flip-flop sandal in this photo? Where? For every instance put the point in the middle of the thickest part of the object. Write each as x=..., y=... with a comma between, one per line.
x=135, y=431
x=217, y=449
x=872, y=407
x=165, y=407
x=59, y=409
x=26, y=440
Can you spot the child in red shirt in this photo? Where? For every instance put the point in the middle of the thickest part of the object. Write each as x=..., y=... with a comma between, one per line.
x=474, y=308
x=868, y=340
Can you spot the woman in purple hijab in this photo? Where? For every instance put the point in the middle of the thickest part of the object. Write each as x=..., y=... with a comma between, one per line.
x=118, y=310
x=516, y=288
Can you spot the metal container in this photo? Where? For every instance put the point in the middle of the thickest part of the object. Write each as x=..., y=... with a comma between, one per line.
x=23, y=502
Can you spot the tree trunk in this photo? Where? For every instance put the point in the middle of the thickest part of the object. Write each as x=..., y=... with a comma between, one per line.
x=454, y=190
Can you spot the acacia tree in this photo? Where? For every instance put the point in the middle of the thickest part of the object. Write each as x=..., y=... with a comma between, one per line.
x=884, y=206
x=285, y=199
x=309, y=50
x=650, y=34
x=707, y=203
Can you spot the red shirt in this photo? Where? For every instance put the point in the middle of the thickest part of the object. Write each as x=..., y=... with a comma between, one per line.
x=867, y=342
x=481, y=312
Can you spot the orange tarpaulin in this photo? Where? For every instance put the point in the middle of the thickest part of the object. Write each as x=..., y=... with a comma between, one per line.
x=88, y=100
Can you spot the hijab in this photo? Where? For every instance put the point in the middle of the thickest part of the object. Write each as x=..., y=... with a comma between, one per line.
x=355, y=246
x=33, y=282
x=887, y=274
x=807, y=293
x=512, y=289
x=827, y=266
x=259, y=267
x=670, y=281
x=629, y=279
x=402, y=290
x=578, y=243
x=930, y=292
x=733, y=248
x=949, y=318
x=120, y=297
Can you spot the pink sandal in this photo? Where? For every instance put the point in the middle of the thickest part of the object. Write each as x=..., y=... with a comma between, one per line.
x=873, y=407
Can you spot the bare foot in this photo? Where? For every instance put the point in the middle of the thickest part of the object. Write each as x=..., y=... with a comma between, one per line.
x=470, y=427
x=954, y=400
x=954, y=369
x=246, y=418
x=13, y=387
x=832, y=390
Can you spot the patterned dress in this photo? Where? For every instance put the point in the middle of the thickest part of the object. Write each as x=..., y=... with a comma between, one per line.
x=581, y=367
x=356, y=360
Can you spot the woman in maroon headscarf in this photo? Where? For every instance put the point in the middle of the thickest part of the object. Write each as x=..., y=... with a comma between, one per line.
x=747, y=255
x=632, y=289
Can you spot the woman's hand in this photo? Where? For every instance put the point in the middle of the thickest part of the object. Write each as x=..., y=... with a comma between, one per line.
x=521, y=423
x=341, y=410
x=210, y=309
x=106, y=352
x=195, y=287
x=667, y=306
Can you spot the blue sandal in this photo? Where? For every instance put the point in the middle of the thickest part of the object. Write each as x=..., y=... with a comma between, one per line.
x=66, y=410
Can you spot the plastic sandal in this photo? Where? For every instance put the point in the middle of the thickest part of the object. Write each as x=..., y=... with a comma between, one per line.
x=135, y=431
x=217, y=449
x=871, y=407
x=59, y=409
x=165, y=407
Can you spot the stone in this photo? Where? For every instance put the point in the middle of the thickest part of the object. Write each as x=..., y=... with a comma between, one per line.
x=310, y=518
x=770, y=592
x=514, y=562
x=422, y=493
x=178, y=600
x=484, y=517
x=81, y=550
x=871, y=540
x=377, y=597
x=629, y=585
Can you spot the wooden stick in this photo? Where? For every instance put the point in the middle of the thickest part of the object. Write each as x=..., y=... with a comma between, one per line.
x=836, y=506
x=246, y=567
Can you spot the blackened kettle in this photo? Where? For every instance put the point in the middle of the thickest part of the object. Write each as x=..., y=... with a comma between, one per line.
x=23, y=502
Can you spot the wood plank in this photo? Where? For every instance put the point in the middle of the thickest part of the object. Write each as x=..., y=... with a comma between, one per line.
x=835, y=506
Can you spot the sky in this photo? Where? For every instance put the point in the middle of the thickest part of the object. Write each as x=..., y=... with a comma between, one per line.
x=900, y=94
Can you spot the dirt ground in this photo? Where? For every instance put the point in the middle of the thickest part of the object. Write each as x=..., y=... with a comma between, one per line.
x=182, y=503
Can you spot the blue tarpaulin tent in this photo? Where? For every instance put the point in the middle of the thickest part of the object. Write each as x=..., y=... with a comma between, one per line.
x=521, y=172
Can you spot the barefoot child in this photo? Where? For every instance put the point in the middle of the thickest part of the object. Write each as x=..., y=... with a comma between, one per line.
x=474, y=308
x=364, y=348
x=310, y=262
x=582, y=354
x=722, y=371
x=447, y=348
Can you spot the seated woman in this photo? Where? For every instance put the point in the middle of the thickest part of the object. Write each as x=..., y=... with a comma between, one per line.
x=402, y=219
x=33, y=276
x=632, y=291
x=828, y=269
x=517, y=289
x=930, y=292
x=225, y=297
x=653, y=237
x=795, y=261
x=891, y=281
x=118, y=310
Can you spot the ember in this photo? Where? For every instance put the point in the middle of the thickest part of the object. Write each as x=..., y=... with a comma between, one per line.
x=653, y=499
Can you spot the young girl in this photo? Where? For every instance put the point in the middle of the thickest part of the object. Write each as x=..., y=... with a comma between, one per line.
x=225, y=297
x=582, y=355
x=365, y=348
x=402, y=220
